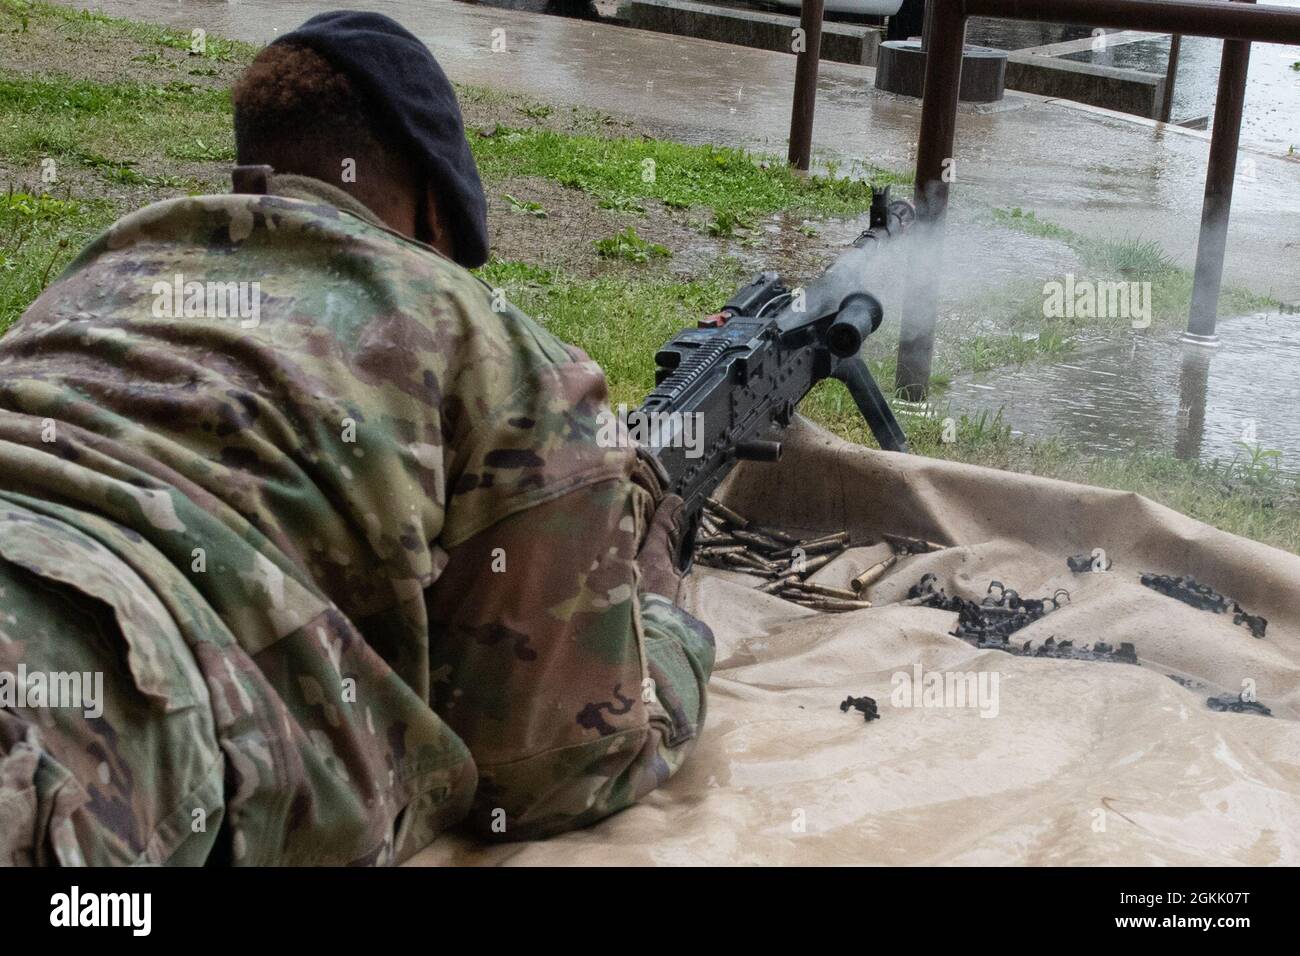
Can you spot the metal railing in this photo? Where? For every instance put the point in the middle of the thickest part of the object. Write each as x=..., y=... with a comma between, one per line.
x=1234, y=22
x=811, y=13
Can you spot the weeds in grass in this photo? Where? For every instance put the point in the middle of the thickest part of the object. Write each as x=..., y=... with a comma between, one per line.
x=514, y=276
x=537, y=111
x=979, y=353
x=50, y=117
x=629, y=246
x=620, y=322
x=1132, y=258
x=1030, y=224
x=55, y=95
x=621, y=204
x=219, y=49
x=19, y=10
x=1259, y=468
x=211, y=48
x=533, y=209
x=725, y=224
x=198, y=151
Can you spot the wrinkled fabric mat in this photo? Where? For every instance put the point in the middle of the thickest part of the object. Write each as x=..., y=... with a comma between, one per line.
x=1078, y=762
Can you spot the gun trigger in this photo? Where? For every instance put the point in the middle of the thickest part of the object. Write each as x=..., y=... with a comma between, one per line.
x=715, y=321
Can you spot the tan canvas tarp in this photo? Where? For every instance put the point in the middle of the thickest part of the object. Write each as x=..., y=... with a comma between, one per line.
x=1068, y=762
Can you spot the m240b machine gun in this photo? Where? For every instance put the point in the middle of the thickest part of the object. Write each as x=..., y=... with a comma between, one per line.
x=737, y=379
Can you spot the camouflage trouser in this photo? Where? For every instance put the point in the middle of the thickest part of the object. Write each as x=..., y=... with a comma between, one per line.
x=135, y=783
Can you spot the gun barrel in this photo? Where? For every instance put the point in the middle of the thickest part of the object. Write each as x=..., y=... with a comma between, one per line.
x=860, y=315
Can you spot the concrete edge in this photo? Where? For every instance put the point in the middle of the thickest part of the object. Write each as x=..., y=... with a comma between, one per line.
x=1204, y=136
x=1122, y=38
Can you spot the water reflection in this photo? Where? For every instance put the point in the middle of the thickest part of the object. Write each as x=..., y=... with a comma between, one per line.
x=1193, y=389
x=1152, y=393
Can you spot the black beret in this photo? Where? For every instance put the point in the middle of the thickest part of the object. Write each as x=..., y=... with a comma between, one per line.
x=399, y=75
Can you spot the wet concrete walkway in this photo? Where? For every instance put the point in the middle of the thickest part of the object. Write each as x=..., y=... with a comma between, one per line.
x=1085, y=169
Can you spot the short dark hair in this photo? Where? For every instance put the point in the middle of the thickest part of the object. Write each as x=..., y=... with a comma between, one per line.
x=293, y=110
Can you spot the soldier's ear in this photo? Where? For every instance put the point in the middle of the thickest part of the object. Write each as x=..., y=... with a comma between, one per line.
x=433, y=228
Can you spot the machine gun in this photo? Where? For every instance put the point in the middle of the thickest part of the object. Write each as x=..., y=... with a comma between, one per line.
x=732, y=385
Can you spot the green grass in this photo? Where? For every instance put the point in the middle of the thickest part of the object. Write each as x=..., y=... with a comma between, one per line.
x=129, y=124
x=534, y=209
x=725, y=224
x=102, y=139
x=624, y=171
x=126, y=130
x=198, y=151
x=90, y=25
x=1132, y=258
x=619, y=321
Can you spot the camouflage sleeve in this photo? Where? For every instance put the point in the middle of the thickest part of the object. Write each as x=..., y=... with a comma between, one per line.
x=575, y=695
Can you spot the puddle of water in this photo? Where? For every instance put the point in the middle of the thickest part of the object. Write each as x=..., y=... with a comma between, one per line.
x=1152, y=393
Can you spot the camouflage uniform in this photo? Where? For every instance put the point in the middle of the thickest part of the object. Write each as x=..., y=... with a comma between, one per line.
x=351, y=575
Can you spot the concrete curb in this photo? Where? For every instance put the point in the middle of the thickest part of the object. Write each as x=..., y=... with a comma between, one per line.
x=841, y=42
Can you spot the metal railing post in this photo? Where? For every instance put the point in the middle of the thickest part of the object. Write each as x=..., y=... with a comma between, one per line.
x=805, y=83
x=946, y=36
x=1220, y=175
x=1171, y=77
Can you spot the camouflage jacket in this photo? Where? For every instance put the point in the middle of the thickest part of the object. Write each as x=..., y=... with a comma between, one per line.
x=372, y=572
